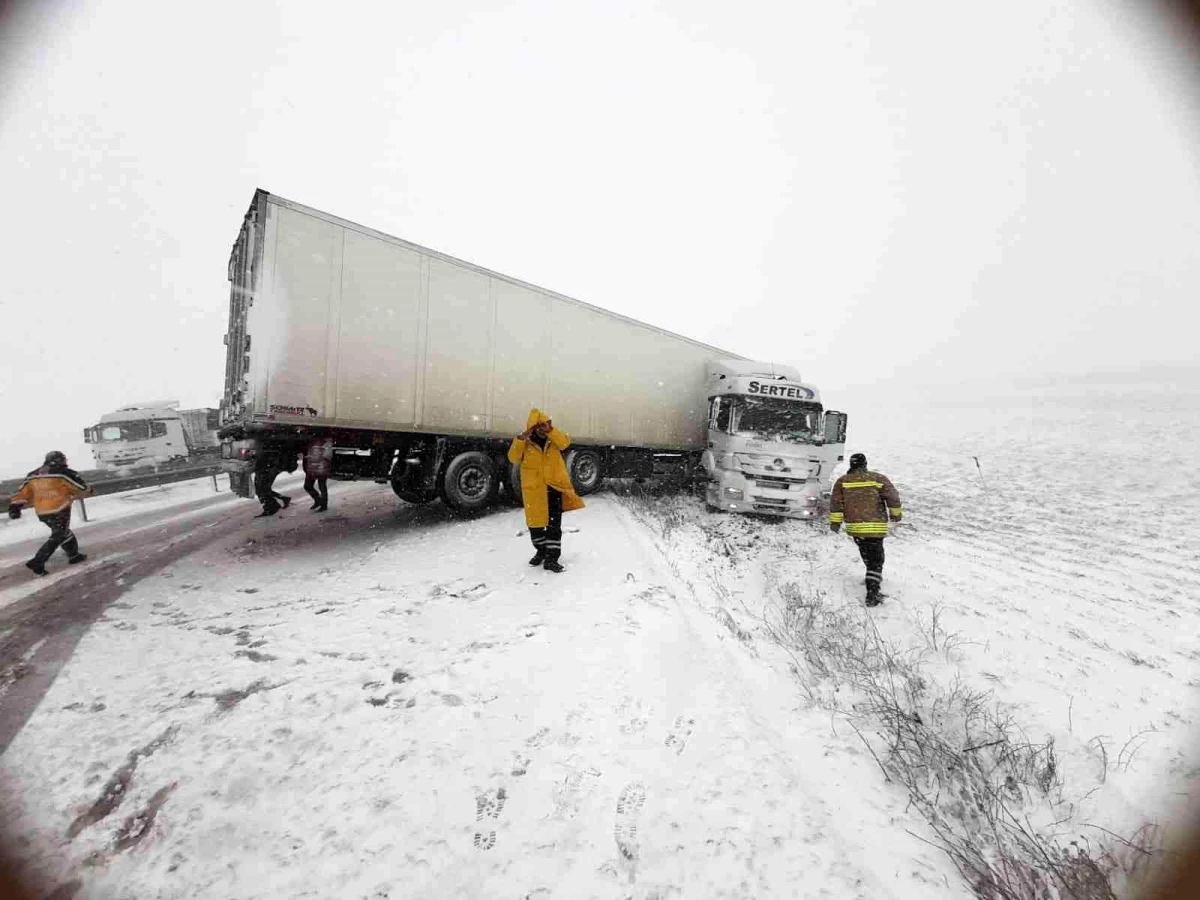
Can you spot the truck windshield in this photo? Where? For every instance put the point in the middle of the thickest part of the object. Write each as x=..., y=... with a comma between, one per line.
x=773, y=418
x=132, y=431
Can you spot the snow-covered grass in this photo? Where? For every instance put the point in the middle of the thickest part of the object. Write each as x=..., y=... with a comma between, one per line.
x=1037, y=659
x=387, y=702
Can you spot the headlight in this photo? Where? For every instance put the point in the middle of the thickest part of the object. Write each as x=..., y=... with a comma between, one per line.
x=734, y=494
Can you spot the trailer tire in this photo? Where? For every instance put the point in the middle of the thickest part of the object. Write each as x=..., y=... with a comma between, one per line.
x=470, y=481
x=586, y=468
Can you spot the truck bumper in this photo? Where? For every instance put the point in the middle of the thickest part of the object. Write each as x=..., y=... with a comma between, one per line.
x=733, y=492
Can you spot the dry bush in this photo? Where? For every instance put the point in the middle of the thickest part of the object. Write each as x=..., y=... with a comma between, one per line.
x=966, y=766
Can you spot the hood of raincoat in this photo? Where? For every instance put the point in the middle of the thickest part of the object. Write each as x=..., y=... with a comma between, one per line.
x=536, y=417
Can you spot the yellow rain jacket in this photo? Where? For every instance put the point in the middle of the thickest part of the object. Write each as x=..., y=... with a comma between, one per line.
x=541, y=469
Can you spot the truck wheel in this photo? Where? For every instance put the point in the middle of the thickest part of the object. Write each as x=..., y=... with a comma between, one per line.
x=586, y=470
x=469, y=481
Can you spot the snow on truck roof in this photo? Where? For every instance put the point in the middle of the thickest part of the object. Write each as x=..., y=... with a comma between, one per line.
x=261, y=195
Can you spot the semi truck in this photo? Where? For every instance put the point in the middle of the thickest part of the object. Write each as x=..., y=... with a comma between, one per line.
x=421, y=368
x=153, y=434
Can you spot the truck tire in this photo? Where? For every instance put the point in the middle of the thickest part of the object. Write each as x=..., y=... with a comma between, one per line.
x=470, y=481
x=586, y=469
x=409, y=489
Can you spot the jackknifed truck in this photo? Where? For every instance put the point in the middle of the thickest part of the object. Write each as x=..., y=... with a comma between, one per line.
x=422, y=367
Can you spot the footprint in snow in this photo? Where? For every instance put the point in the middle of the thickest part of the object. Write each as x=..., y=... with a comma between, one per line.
x=488, y=805
x=520, y=764
x=629, y=810
x=655, y=595
x=574, y=789
x=681, y=730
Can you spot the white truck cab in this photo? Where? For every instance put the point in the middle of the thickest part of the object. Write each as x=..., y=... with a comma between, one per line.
x=145, y=434
x=772, y=447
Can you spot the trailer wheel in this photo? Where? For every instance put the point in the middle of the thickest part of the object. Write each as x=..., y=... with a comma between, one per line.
x=410, y=491
x=586, y=470
x=469, y=482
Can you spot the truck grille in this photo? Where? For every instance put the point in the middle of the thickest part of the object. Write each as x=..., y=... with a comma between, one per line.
x=770, y=501
x=779, y=482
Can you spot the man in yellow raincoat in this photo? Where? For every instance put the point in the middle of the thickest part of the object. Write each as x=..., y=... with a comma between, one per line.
x=545, y=486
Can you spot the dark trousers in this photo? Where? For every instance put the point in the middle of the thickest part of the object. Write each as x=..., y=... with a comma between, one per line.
x=262, y=488
x=871, y=551
x=61, y=535
x=322, y=483
x=548, y=541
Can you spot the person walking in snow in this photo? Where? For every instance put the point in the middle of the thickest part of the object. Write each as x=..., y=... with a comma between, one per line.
x=864, y=501
x=267, y=466
x=51, y=490
x=545, y=486
x=318, y=463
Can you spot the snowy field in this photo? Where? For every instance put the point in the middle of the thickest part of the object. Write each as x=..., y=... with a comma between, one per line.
x=390, y=703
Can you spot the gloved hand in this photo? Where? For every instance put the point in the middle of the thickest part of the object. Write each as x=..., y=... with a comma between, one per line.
x=835, y=527
x=14, y=512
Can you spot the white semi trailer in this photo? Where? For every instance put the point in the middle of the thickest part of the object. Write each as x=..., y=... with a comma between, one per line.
x=422, y=368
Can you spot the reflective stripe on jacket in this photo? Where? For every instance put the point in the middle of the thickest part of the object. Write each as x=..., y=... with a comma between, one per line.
x=542, y=468
x=864, y=501
x=50, y=489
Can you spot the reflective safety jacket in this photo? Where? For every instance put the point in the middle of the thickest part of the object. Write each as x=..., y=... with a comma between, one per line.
x=864, y=501
x=50, y=489
x=542, y=468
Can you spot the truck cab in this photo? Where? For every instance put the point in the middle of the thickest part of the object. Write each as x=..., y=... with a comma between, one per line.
x=144, y=434
x=772, y=447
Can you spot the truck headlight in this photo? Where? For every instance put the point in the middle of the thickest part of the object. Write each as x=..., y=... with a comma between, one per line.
x=734, y=494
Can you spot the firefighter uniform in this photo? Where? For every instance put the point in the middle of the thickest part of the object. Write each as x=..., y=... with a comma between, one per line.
x=864, y=501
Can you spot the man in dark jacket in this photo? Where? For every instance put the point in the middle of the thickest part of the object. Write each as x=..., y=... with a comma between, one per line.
x=267, y=466
x=864, y=501
x=51, y=490
x=318, y=463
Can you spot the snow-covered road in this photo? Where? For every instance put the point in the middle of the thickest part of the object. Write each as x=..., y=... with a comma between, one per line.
x=387, y=702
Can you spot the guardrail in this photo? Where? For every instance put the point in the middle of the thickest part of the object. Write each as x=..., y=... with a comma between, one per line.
x=127, y=483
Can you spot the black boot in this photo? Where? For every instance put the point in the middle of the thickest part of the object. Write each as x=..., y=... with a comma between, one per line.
x=873, y=597
x=552, y=565
x=316, y=505
x=322, y=507
x=77, y=558
x=538, y=559
x=36, y=567
x=268, y=511
x=287, y=501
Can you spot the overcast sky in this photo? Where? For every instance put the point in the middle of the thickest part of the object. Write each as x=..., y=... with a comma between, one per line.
x=880, y=193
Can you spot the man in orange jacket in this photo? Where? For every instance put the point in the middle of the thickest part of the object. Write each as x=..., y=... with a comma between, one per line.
x=51, y=490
